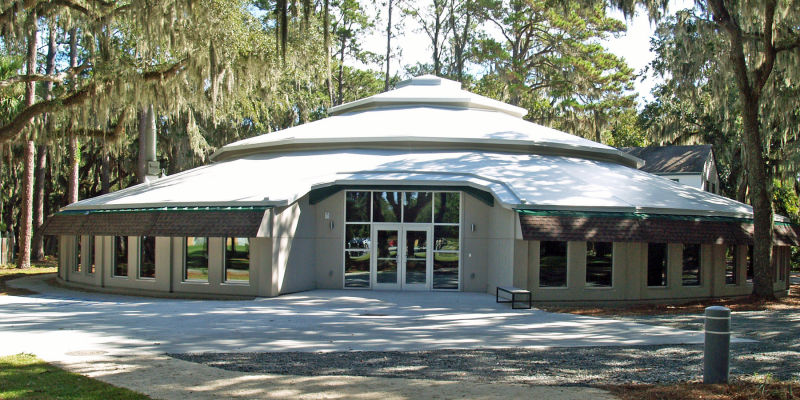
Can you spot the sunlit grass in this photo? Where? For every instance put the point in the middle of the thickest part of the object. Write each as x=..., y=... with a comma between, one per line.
x=10, y=271
x=23, y=376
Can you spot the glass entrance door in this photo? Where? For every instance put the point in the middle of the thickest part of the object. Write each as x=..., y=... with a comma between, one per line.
x=402, y=257
x=416, y=258
x=386, y=267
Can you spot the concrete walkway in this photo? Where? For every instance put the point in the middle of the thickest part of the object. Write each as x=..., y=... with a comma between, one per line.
x=121, y=339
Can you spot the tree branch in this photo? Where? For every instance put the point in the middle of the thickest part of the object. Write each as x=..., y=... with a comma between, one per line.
x=765, y=69
x=21, y=120
x=56, y=78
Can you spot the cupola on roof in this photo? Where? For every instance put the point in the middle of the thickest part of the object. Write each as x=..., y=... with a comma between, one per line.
x=427, y=112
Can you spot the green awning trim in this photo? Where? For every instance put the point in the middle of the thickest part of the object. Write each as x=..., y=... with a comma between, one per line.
x=165, y=209
x=630, y=215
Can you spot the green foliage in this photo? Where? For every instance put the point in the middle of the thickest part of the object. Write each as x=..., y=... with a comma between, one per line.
x=548, y=61
x=785, y=200
x=23, y=376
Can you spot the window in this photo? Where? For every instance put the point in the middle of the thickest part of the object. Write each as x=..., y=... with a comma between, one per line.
x=120, y=256
x=749, y=264
x=657, y=264
x=196, y=256
x=441, y=210
x=386, y=206
x=147, y=257
x=446, y=211
x=599, y=264
x=552, y=264
x=783, y=254
x=90, y=267
x=691, y=265
x=731, y=265
x=417, y=207
x=77, y=266
x=237, y=260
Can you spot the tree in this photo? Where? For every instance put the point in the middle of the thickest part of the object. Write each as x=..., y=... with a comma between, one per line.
x=755, y=46
x=349, y=23
x=547, y=59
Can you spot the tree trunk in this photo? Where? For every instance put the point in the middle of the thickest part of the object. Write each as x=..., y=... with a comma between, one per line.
x=73, y=186
x=760, y=199
x=41, y=159
x=326, y=21
x=37, y=246
x=105, y=172
x=388, y=47
x=341, y=71
x=141, y=165
x=26, y=209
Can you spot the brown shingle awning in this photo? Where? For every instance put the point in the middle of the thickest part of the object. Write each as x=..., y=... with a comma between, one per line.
x=218, y=223
x=624, y=228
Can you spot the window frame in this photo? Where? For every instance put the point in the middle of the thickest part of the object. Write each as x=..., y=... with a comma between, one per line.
x=115, y=261
x=185, y=275
x=225, y=262
x=566, y=266
x=735, y=265
x=586, y=274
x=665, y=265
x=140, y=257
x=699, y=265
x=433, y=224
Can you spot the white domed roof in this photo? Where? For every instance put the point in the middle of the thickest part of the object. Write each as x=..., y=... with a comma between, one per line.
x=428, y=132
x=427, y=112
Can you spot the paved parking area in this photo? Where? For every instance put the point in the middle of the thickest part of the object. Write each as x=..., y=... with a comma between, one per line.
x=60, y=320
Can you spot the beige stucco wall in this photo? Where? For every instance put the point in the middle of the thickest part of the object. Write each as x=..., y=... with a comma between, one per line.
x=500, y=247
x=293, y=252
x=474, y=249
x=329, y=243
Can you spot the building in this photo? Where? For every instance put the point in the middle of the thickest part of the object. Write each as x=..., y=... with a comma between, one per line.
x=690, y=165
x=426, y=187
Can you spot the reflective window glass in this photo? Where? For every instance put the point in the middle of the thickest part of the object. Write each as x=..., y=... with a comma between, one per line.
x=90, y=256
x=599, y=262
x=356, y=269
x=147, y=258
x=357, y=207
x=750, y=264
x=77, y=266
x=553, y=264
x=418, y=207
x=730, y=265
x=656, y=264
x=386, y=206
x=356, y=236
x=445, y=237
x=691, y=265
x=237, y=260
x=445, y=270
x=196, y=257
x=120, y=256
x=446, y=207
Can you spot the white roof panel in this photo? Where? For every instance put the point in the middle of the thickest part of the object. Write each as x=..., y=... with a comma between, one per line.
x=516, y=180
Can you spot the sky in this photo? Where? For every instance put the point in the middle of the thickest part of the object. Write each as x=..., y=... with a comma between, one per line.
x=634, y=45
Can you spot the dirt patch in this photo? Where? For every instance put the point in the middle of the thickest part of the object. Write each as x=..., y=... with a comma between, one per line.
x=790, y=302
x=742, y=389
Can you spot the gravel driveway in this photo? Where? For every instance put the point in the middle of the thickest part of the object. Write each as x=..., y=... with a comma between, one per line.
x=777, y=352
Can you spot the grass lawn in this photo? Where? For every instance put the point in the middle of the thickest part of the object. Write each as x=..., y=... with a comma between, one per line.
x=751, y=388
x=23, y=376
x=10, y=271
